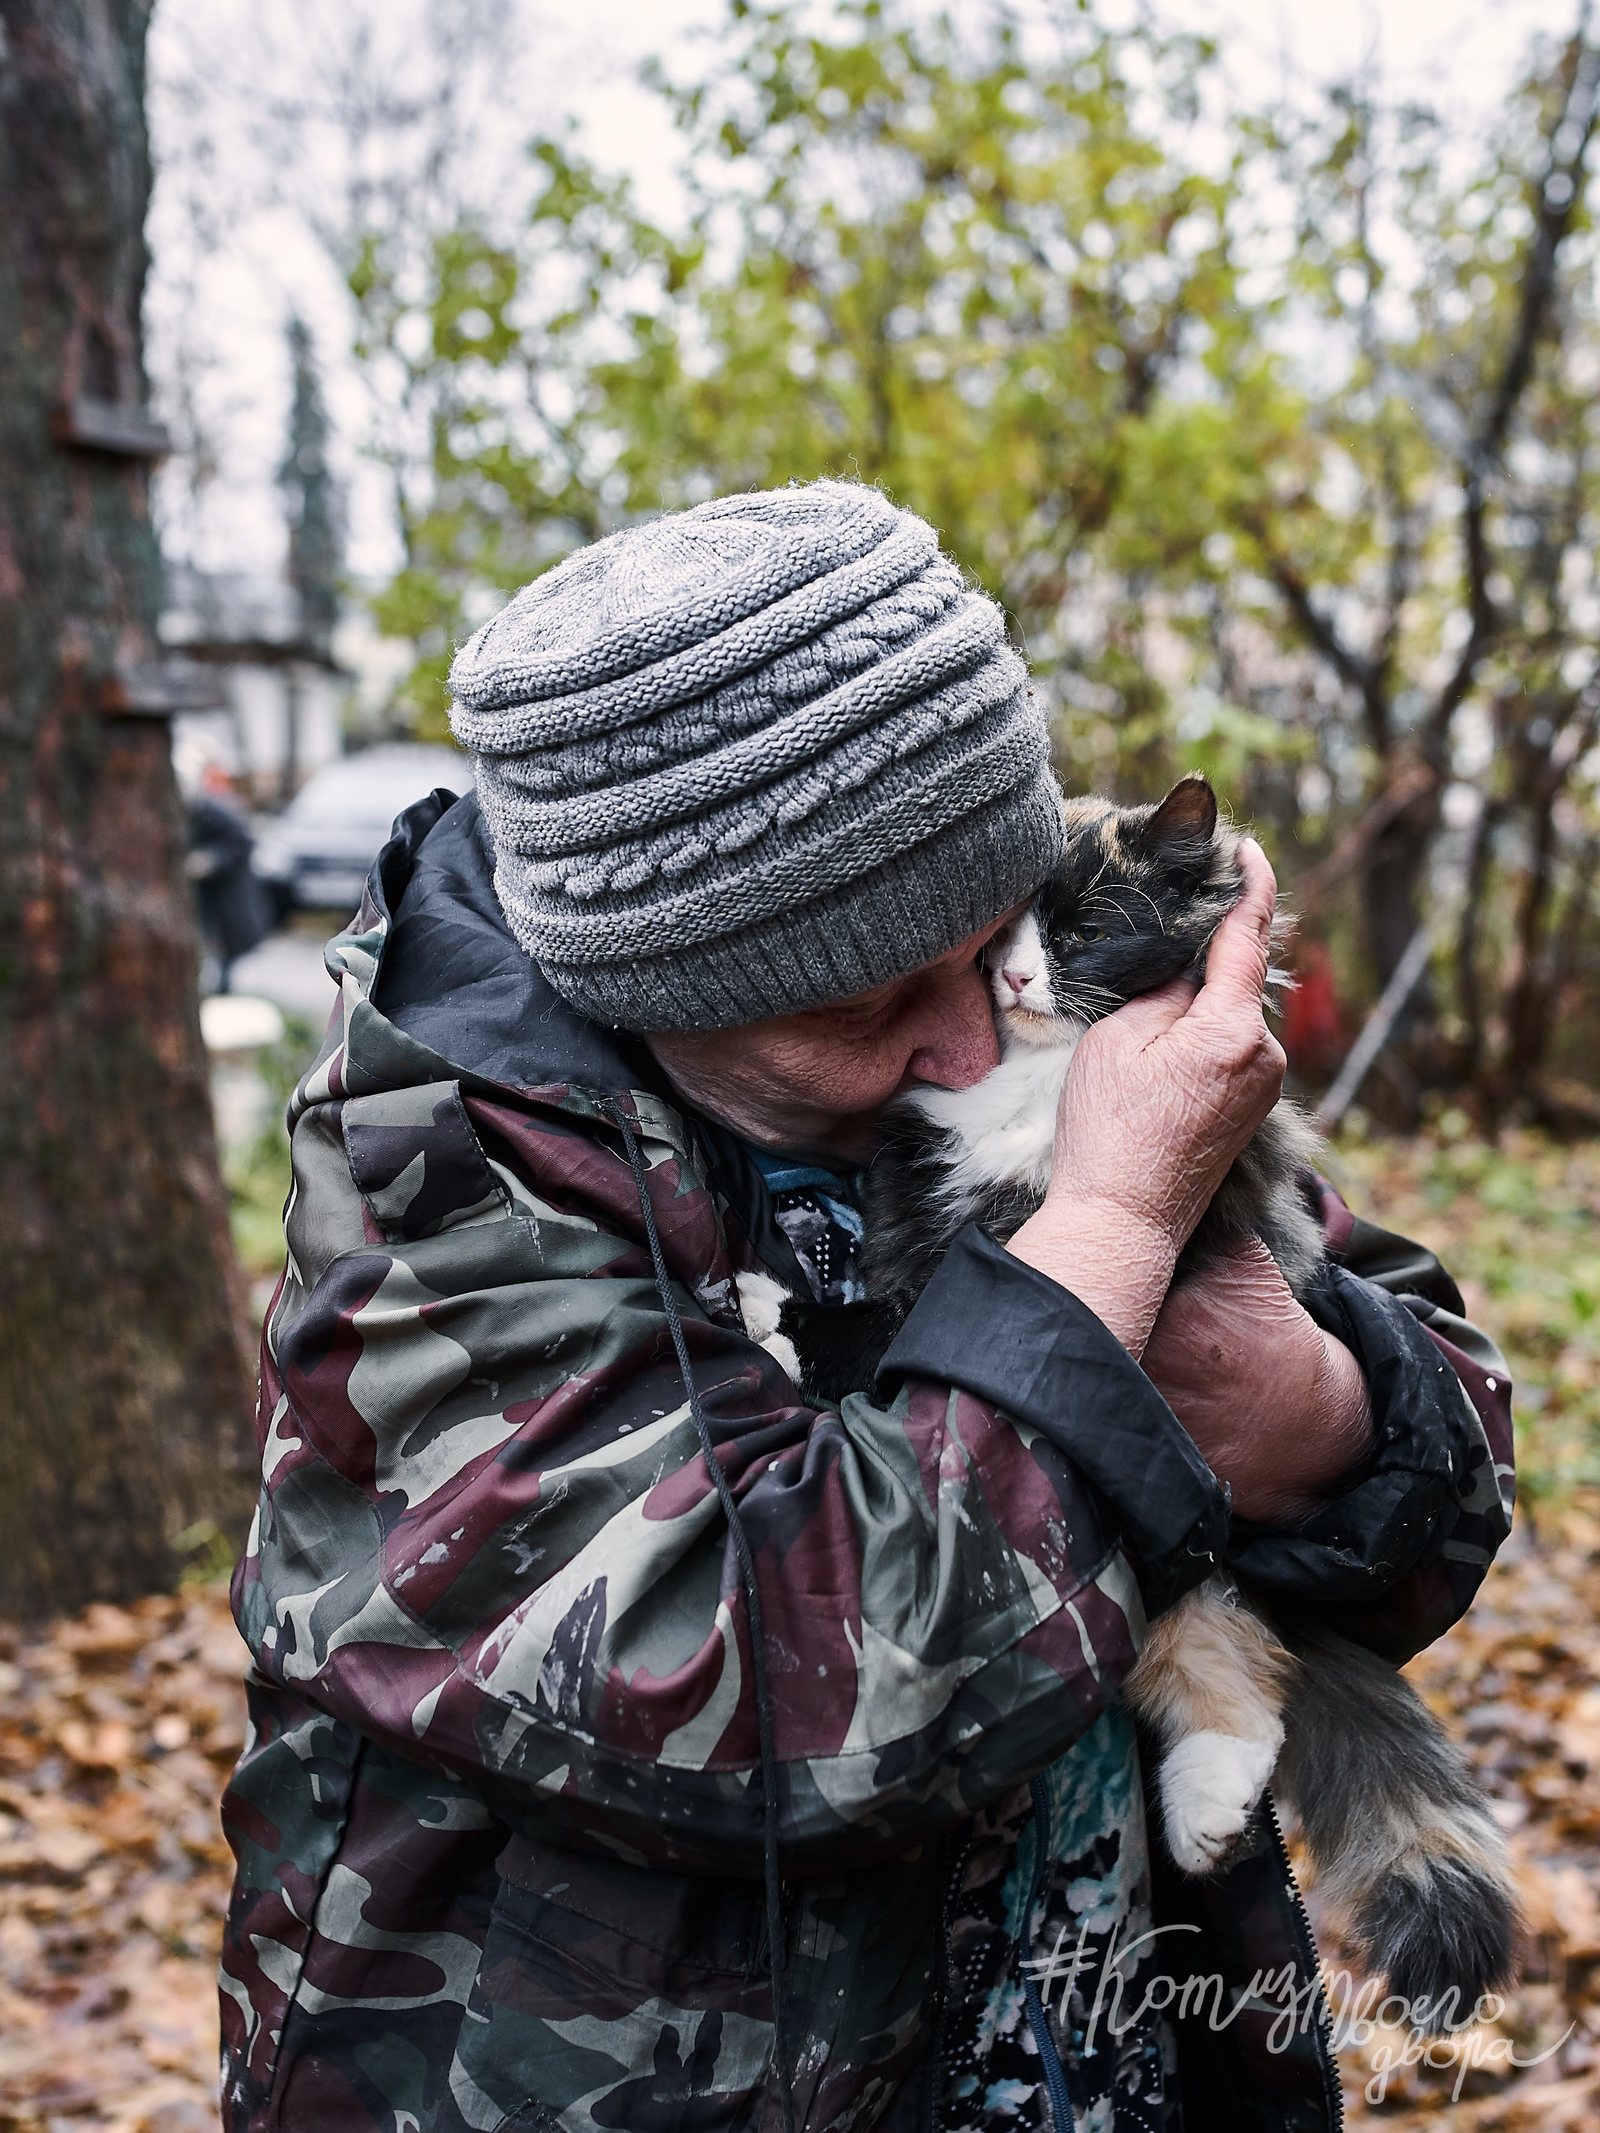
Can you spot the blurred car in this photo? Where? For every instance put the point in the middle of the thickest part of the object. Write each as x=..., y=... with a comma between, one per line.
x=317, y=854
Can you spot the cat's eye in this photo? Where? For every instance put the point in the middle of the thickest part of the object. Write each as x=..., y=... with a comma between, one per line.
x=1088, y=933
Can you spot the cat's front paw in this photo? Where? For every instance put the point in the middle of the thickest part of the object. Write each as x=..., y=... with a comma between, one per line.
x=1211, y=1784
x=761, y=1300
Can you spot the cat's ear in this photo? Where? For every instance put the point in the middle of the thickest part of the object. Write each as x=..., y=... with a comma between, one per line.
x=1186, y=817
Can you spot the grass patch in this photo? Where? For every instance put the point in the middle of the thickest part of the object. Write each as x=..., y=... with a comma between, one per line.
x=257, y=1172
x=1518, y=1225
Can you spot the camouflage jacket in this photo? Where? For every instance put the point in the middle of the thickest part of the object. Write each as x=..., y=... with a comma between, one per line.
x=502, y=1823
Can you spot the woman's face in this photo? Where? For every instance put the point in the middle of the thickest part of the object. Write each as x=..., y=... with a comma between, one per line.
x=819, y=1079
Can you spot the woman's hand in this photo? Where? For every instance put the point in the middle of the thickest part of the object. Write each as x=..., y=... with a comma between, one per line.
x=1159, y=1100
x=1278, y=1408
x=1162, y=1096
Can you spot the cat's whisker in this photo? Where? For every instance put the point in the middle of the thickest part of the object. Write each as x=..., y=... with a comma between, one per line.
x=1105, y=901
x=1133, y=889
x=1090, y=1004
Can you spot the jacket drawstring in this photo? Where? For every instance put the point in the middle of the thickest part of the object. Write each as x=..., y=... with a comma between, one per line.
x=752, y=1599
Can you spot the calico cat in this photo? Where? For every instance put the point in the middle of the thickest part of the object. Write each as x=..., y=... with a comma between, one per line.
x=1407, y=1851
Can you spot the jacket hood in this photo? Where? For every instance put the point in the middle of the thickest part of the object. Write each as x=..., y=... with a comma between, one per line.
x=434, y=987
x=433, y=984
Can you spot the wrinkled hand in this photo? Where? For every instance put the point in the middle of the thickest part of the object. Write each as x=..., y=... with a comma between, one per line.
x=1158, y=1101
x=1161, y=1096
x=1277, y=1407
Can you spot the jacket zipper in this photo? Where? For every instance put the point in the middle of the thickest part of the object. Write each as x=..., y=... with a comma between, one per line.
x=953, y=1860
x=1055, y=2079
x=1333, y=2094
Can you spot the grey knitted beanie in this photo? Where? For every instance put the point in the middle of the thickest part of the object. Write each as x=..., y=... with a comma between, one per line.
x=751, y=757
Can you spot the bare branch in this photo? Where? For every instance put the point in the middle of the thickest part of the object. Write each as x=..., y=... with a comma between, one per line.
x=1402, y=555
x=1361, y=675
x=1555, y=210
x=1481, y=628
x=1311, y=888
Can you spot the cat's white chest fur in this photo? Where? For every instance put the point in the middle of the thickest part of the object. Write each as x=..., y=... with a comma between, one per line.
x=1003, y=1127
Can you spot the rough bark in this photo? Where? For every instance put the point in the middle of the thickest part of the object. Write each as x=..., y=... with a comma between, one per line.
x=1392, y=890
x=1474, y=1047
x=123, y=1383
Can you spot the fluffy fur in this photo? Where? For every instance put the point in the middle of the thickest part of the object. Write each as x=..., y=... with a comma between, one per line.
x=1407, y=1850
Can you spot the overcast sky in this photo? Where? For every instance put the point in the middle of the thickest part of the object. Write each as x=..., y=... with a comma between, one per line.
x=226, y=310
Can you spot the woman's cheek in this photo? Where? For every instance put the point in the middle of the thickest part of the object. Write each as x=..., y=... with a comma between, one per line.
x=859, y=1078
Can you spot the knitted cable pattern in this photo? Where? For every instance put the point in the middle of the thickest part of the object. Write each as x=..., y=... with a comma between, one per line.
x=600, y=762
x=751, y=756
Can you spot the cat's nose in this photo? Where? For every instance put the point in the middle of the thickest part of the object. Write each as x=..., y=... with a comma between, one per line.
x=1018, y=980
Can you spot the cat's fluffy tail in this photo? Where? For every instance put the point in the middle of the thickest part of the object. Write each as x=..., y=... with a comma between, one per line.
x=1408, y=1855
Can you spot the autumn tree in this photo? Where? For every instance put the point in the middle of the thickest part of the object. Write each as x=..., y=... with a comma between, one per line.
x=311, y=499
x=375, y=122
x=1415, y=518
x=123, y=1389
x=316, y=536
x=1273, y=434
x=944, y=259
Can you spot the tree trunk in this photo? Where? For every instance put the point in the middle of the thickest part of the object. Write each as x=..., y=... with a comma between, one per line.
x=123, y=1378
x=1468, y=989
x=1391, y=905
x=1528, y=993
x=1397, y=865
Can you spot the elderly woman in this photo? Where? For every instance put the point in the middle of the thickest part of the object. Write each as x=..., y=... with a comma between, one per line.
x=636, y=1745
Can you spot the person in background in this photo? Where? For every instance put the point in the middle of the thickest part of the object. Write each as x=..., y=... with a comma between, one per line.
x=1314, y=1031
x=231, y=905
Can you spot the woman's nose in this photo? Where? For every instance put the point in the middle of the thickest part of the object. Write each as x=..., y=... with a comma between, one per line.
x=957, y=1026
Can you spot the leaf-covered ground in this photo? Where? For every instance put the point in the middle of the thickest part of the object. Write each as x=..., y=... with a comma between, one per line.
x=117, y=1729
x=1517, y=1683
x=1519, y=1227
x=116, y=1732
